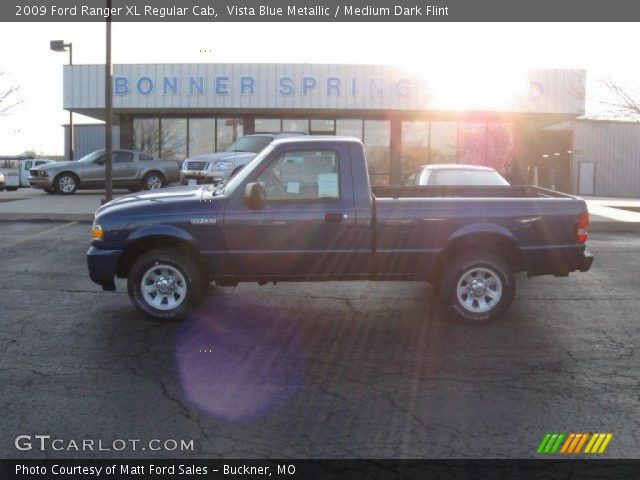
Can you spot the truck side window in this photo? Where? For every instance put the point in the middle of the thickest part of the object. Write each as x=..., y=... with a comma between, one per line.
x=145, y=158
x=27, y=165
x=303, y=175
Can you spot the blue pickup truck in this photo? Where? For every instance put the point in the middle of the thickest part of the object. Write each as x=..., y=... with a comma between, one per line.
x=304, y=210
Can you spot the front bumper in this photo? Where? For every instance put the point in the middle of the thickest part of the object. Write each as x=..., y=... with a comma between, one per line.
x=40, y=182
x=102, y=266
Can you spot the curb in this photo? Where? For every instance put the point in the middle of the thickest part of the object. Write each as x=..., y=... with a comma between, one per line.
x=614, y=227
x=67, y=217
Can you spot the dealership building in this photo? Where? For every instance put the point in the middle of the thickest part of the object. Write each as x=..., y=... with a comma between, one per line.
x=404, y=118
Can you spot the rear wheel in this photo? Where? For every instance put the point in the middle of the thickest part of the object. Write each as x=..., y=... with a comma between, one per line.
x=165, y=284
x=478, y=288
x=153, y=181
x=66, y=184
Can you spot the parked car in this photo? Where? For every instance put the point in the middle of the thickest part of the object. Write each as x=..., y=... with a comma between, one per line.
x=450, y=174
x=16, y=171
x=1, y=181
x=132, y=170
x=218, y=167
x=303, y=209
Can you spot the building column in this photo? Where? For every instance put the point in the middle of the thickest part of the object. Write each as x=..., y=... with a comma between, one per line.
x=521, y=161
x=395, y=165
x=126, y=132
x=249, y=125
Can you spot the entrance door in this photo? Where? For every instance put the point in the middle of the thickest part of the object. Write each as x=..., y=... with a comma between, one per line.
x=586, y=178
x=306, y=226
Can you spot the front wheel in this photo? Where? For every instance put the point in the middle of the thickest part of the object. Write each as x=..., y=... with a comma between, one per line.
x=478, y=288
x=66, y=184
x=165, y=284
x=153, y=181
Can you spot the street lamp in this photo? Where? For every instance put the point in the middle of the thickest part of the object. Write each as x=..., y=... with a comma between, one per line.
x=60, y=46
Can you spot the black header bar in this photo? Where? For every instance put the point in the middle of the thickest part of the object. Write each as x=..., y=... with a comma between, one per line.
x=320, y=10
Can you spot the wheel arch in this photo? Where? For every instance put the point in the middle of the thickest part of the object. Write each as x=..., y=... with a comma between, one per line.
x=148, y=239
x=485, y=238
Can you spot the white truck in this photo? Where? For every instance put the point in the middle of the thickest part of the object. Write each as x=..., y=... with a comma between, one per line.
x=16, y=171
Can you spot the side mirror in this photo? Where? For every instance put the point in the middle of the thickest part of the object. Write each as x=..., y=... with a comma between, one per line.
x=254, y=195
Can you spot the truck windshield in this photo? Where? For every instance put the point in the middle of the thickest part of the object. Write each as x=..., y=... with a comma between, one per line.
x=252, y=144
x=230, y=187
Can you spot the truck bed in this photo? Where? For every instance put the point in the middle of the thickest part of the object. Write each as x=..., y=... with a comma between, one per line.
x=501, y=191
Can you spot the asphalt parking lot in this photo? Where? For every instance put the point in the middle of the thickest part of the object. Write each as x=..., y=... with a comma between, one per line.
x=314, y=370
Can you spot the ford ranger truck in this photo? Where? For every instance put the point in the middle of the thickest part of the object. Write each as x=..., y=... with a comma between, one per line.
x=303, y=210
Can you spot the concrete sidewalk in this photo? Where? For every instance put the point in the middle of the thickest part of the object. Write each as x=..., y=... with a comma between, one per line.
x=30, y=204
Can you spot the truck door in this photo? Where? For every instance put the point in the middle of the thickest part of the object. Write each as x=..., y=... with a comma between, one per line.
x=306, y=226
x=24, y=172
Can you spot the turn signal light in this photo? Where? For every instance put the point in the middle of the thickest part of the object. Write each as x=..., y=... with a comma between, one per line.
x=582, y=227
x=96, y=232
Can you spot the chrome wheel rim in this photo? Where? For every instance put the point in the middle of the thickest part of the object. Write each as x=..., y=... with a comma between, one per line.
x=154, y=182
x=163, y=287
x=66, y=184
x=479, y=290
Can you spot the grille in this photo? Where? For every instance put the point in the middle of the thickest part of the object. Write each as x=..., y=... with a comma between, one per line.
x=196, y=165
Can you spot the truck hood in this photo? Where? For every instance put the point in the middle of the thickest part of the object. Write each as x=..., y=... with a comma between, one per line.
x=159, y=202
x=214, y=157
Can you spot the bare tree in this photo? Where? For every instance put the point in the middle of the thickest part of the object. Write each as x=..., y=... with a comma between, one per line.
x=621, y=100
x=8, y=98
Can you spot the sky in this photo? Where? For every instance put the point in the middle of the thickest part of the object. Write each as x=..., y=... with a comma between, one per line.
x=36, y=124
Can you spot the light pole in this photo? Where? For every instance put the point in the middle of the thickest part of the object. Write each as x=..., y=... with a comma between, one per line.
x=60, y=46
x=108, y=164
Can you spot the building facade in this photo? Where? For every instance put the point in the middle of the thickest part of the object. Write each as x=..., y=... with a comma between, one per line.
x=405, y=119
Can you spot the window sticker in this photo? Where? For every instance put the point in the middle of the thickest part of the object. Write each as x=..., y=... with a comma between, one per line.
x=293, y=187
x=328, y=185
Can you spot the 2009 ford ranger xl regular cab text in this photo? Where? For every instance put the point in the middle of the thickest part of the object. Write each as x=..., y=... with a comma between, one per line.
x=304, y=210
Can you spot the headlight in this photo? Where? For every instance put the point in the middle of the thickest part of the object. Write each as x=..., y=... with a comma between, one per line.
x=221, y=166
x=96, y=232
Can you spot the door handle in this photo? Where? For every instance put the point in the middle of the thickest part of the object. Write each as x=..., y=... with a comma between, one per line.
x=334, y=217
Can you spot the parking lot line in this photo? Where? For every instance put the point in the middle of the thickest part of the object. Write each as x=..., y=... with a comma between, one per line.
x=35, y=235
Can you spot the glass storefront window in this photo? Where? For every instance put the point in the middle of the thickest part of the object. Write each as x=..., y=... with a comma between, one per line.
x=202, y=134
x=443, y=142
x=173, y=145
x=295, y=125
x=146, y=135
x=229, y=130
x=472, y=143
x=415, y=146
x=323, y=126
x=501, y=147
x=349, y=128
x=377, y=139
x=267, y=125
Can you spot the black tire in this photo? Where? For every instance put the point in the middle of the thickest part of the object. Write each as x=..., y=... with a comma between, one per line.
x=173, y=258
x=493, y=274
x=65, y=190
x=149, y=176
x=11, y=189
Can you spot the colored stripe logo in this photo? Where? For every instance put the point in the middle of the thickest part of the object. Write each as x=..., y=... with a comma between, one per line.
x=574, y=443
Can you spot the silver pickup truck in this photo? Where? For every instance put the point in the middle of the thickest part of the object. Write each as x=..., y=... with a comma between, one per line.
x=219, y=167
x=131, y=170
